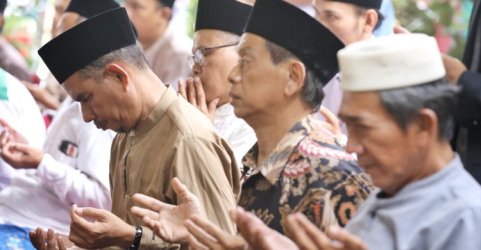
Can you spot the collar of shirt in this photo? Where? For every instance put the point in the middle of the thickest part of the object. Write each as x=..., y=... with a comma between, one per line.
x=160, y=108
x=273, y=165
x=412, y=191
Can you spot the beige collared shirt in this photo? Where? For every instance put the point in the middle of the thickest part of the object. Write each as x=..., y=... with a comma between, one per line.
x=176, y=140
x=168, y=57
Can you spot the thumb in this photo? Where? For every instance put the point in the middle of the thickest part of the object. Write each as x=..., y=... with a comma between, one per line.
x=182, y=191
x=213, y=105
x=400, y=30
x=4, y=124
x=91, y=213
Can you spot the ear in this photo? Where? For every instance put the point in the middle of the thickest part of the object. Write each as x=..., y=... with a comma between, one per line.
x=166, y=13
x=426, y=127
x=371, y=21
x=120, y=74
x=297, y=75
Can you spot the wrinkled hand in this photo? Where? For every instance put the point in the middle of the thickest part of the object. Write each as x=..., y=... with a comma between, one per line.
x=10, y=134
x=20, y=155
x=193, y=92
x=54, y=241
x=308, y=237
x=206, y=235
x=454, y=68
x=167, y=221
x=107, y=230
x=331, y=123
x=259, y=235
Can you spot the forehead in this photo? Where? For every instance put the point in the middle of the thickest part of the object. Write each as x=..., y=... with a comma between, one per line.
x=365, y=105
x=251, y=43
x=75, y=85
x=207, y=38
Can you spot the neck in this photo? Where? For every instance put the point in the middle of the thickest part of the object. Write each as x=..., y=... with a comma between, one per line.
x=157, y=34
x=271, y=127
x=437, y=158
x=151, y=93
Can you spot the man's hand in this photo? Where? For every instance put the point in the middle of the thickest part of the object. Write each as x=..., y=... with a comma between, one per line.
x=193, y=92
x=20, y=155
x=307, y=236
x=206, y=235
x=54, y=241
x=168, y=220
x=331, y=123
x=10, y=134
x=258, y=235
x=107, y=230
x=400, y=30
x=454, y=68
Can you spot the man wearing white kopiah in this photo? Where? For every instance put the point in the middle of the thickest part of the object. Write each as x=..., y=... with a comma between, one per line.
x=398, y=108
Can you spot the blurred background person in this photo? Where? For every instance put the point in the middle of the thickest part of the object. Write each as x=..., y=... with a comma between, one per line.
x=10, y=59
x=165, y=48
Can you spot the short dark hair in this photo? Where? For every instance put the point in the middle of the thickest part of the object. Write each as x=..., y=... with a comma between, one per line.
x=311, y=92
x=404, y=104
x=380, y=17
x=132, y=55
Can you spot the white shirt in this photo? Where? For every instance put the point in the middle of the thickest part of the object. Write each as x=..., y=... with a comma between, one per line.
x=235, y=131
x=77, y=174
x=20, y=111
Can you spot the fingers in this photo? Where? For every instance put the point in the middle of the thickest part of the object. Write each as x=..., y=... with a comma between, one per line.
x=91, y=213
x=4, y=137
x=9, y=155
x=201, y=236
x=182, y=191
x=51, y=240
x=191, y=92
x=142, y=212
x=37, y=238
x=330, y=117
x=200, y=94
x=348, y=240
x=305, y=236
x=20, y=147
x=400, y=30
x=78, y=221
x=182, y=88
x=150, y=203
x=195, y=244
x=61, y=243
x=5, y=124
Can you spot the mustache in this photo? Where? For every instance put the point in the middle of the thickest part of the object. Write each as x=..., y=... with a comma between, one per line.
x=100, y=123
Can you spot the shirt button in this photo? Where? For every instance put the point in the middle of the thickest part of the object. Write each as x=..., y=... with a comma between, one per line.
x=475, y=123
x=132, y=142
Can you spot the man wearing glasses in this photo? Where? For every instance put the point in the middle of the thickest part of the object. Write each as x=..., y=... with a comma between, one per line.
x=219, y=25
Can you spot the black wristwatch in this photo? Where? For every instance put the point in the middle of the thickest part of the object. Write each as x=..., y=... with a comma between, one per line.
x=138, y=237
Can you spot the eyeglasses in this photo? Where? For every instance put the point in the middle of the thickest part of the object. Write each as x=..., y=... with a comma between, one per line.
x=198, y=56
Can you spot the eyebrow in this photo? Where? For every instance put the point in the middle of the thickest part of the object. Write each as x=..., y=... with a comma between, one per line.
x=80, y=97
x=350, y=118
x=244, y=50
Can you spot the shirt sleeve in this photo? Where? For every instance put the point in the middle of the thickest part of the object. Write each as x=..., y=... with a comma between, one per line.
x=209, y=172
x=87, y=183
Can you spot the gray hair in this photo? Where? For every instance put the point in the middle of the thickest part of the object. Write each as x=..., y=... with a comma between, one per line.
x=132, y=55
x=311, y=92
x=229, y=38
x=404, y=104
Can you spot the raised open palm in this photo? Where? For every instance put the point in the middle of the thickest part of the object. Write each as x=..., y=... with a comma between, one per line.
x=166, y=220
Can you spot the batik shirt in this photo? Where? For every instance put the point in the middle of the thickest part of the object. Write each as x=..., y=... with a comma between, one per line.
x=307, y=172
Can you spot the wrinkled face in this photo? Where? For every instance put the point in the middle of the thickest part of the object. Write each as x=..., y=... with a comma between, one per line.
x=341, y=19
x=60, y=7
x=257, y=83
x=385, y=151
x=217, y=64
x=146, y=16
x=109, y=105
